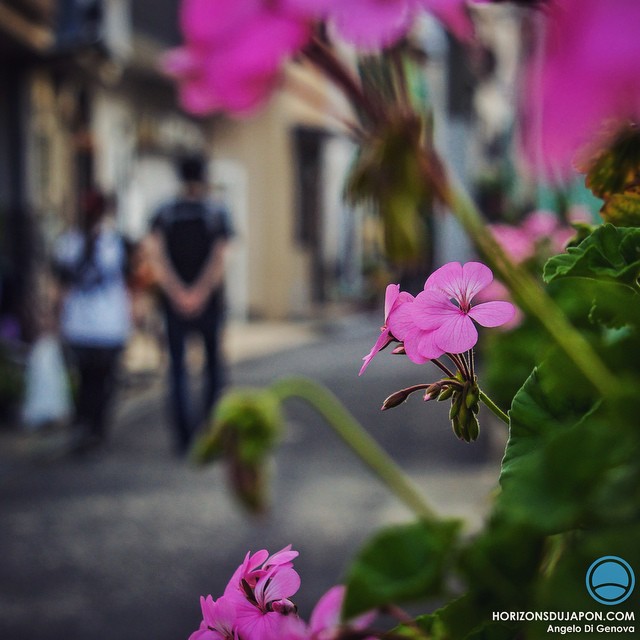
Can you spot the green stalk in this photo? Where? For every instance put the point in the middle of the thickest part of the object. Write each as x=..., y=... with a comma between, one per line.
x=495, y=409
x=355, y=436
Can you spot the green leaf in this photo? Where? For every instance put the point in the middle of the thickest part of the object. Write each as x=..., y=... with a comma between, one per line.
x=463, y=619
x=609, y=252
x=534, y=415
x=401, y=563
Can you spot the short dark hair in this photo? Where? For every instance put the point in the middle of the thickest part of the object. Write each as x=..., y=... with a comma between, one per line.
x=192, y=168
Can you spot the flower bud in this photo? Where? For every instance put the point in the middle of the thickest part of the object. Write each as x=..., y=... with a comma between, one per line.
x=432, y=391
x=395, y=399
x=446, y=393
x=455, y=407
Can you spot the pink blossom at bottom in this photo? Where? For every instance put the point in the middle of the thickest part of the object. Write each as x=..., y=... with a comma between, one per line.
x=326, y=622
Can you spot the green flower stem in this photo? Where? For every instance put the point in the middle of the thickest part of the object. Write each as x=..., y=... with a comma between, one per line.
x=355, y=436
x=530, y=295
x=495, y=409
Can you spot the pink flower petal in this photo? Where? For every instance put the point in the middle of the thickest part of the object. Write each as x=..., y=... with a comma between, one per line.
x=284, y=557
x=421, y=346
x=443, y=278
x=383, y=340
x=517, y=244
x=460, y=282
x=326, y=613
x=540, y=224
x=276, y=584
x=256, y=625
x=492, y=314
x=209, y=21
x=400, y=320
x=431, y=309
x=456, y=335
x=326, y=616
x=390, y=296
x=371, y=24
x=585, y=78
x=475, y=277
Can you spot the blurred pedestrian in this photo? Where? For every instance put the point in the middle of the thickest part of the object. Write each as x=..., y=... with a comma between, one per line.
x=188, y=242
x=90, y=262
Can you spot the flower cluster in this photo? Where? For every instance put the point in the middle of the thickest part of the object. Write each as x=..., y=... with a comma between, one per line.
x=440, y=318
x=439, y=321
x=256, y=605
x=539, y=236
x=234, y=50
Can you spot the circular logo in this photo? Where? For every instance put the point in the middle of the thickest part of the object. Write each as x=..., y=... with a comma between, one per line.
x=610, y=580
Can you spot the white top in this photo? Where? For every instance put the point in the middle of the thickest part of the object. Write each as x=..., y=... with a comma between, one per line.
x=95, y=311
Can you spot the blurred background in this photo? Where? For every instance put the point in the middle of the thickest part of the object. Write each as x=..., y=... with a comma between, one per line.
x=123, y=544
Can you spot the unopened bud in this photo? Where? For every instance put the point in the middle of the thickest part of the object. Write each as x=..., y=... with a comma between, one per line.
x=456, y=405
x=471, y=399
x=432, y=391
x=457, y=428
x=446, y=393
x=473, y=428
x=395, y=399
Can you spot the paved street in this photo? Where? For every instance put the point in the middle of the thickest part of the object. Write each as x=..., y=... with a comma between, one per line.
x=122, y=545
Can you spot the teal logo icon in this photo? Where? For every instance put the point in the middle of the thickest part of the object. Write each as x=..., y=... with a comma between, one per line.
x=610, y=580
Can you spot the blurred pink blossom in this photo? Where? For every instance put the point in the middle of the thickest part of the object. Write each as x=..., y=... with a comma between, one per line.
x=514, y=241
x=233, y=52
x=540, y=223
x=587, y=76
x=375, y=24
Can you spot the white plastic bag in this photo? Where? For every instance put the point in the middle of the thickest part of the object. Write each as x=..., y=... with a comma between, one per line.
x=47, y=396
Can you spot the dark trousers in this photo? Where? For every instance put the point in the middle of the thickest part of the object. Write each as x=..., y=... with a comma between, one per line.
x=96, y=369
x=186, y=418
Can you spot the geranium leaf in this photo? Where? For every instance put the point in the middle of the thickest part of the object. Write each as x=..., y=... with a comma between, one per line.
x=609, y=252
x=401, y=563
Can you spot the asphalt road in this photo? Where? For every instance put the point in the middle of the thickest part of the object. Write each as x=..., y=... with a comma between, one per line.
x=121, y=545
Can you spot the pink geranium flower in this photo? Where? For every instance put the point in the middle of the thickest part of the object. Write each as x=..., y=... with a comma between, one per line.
x=218, y=620
x=266, y=615
x=257, y=565
x=445, y=308
x=587, y=77
x=393, y=298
